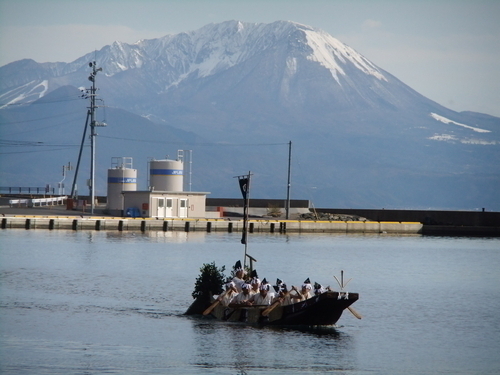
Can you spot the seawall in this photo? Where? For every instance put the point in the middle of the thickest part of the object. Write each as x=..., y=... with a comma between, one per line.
x=207, y=225
x=426, y=222
x=255, y=226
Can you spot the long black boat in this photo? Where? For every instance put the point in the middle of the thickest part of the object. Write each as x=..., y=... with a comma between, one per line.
x=322, y=309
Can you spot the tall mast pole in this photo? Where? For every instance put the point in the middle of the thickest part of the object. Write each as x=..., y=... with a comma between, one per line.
x=244, y=182
x=245, y=218
x=92, y=134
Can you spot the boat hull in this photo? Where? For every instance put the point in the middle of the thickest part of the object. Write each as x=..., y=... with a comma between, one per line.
x=322, y=310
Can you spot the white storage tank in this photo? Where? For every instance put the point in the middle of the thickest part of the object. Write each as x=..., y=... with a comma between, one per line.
x=121, y=177
x=166, y=175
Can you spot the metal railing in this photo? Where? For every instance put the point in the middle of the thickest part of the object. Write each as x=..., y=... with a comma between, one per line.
x=33, y=202
x=27, y=190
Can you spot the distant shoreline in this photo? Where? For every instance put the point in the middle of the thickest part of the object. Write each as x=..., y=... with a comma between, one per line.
x=51, y=220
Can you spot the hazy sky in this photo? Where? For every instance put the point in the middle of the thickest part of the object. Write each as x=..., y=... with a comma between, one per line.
x=447, y=50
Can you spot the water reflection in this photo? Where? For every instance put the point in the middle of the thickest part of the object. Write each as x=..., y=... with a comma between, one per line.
x=151, y=236
x=117, y=296
x=244, y=349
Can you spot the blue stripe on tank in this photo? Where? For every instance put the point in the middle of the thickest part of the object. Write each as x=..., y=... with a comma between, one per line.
x=166, y=172
x=122, y=180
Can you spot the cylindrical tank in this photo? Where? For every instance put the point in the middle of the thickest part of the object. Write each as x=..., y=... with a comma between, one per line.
x=166, y=175
x=120, y=178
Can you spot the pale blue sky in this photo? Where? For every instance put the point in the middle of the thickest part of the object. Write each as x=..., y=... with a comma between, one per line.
x=448, y=50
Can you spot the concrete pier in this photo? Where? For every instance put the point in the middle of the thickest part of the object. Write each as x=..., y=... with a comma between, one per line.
x=207, y=225
x=436, y=223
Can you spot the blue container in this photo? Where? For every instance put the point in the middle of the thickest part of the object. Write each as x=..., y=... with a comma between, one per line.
x=133, y=212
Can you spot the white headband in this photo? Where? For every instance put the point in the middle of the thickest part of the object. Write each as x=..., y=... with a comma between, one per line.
x=255, y=281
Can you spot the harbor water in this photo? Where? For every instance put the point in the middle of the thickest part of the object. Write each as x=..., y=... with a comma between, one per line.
x=97, y=302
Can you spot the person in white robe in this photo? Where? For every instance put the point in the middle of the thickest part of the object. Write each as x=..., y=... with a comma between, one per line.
x=231, y=291
x=255, y=283
x=263, y=298
x=243, y=297
x=239, y=278
x=304, y=293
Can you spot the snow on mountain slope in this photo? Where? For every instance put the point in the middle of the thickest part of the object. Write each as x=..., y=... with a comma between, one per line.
x=448, y=121
x=453, y=139
x=222, y=46
x=329, y=51
x=29, y=92
x=212, y=49
x=283, y=71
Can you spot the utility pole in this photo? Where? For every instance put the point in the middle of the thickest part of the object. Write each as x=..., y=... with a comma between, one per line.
x=93, y=124
x=287, y=210
x=75, y=177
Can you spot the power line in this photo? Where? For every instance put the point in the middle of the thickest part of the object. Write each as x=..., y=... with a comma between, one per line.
x=45, y=150
x=38, y=102
x=38, y=119
x=194, y=143
x=8, y=143
x=32, y=131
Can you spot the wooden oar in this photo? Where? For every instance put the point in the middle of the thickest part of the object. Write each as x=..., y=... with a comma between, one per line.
x=237, y=306
x=214, y=304
x=342, y=285
x=274, y=305
x=296, y=291
x=354, y=312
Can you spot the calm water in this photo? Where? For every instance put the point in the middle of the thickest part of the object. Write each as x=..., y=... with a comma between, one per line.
x=109, y=302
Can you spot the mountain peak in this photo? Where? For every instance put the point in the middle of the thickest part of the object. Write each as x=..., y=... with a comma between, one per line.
x=367, y=139
x=332, y=54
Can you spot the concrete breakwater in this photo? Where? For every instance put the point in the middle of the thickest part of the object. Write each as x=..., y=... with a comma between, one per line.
x=208, y=225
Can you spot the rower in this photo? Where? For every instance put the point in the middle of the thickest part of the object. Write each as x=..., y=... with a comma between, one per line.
x=255, y=283
x=318, y=289
x=238, y=279
x=305, y=291
x=282, y=293
x=242, y=297
x=231, y=292
x=241, y=300
x=264, y=297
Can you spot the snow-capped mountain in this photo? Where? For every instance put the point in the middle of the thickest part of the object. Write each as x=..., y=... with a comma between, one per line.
x=362, y=137
x=213, y=49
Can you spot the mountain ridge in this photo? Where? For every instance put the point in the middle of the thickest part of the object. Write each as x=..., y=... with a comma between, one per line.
x=355, y=126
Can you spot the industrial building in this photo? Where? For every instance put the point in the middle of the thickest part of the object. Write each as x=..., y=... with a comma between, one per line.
x=165, y=197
